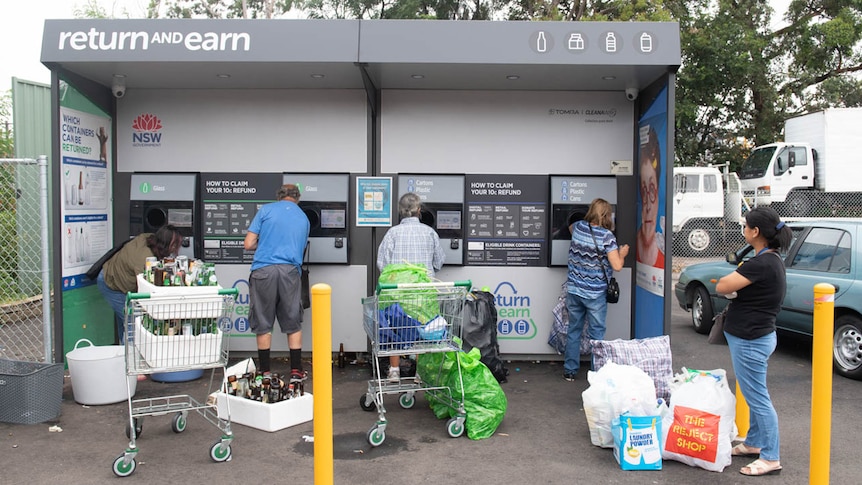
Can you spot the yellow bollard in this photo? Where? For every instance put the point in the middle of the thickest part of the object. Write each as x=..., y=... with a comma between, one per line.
x=742, y=415
x=821, y=382
x=321, y=364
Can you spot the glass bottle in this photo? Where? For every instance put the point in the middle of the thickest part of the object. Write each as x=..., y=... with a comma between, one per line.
x=265, y=391
x=275, y=389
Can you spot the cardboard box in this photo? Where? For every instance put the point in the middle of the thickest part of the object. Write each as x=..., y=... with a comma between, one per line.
x=266, y=416
x=637, y=442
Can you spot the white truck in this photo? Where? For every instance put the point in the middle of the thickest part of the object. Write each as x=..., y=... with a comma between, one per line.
x=815, y=172
x=707, y=211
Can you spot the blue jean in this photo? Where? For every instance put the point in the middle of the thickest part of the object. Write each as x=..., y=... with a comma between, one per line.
x=593, y=311
x=117, y=300
x=749, y=359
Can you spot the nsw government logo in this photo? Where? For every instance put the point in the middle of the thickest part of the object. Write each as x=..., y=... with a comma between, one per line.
x=147, y=131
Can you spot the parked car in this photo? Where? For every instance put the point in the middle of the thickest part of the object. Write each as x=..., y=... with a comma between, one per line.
x=823, y=251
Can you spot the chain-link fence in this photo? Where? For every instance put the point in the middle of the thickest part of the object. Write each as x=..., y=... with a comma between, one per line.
x=25, y=329
x=709, y=207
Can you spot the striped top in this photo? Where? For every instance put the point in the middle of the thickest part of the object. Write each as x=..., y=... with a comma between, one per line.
x=585, y=271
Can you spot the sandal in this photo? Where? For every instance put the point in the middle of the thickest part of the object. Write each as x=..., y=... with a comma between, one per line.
x=759, y=468
x=743, y=450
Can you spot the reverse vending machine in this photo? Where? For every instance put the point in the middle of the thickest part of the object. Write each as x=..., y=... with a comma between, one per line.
x=570, y=200
x=324, y=201
x=160, y=199
x=442, y=208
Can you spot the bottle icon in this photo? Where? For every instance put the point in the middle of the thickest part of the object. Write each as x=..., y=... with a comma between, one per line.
x=80, y=188
x=542, y=42
x=611, y=42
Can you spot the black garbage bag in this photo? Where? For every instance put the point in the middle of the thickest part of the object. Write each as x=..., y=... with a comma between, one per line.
x=479, y=321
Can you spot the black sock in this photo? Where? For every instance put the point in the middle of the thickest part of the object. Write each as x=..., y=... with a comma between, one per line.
x=296, y=359
x=263, y=357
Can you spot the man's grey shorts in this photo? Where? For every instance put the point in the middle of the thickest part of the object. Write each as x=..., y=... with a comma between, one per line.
x=275, y=292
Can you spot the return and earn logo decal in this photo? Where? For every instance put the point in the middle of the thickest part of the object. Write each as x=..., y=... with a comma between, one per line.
x=514, y=321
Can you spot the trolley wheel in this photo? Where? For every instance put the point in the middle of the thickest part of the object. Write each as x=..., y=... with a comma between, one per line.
x=365, y=404
x=406, y=400
x=376, y=436
x=454, y=427
x=220, y=453
x=179, y=423
x=139, y=428
x=123, y=469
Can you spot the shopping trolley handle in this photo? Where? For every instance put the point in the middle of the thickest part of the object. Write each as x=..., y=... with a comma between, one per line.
x=437, y=284
x=143, y=296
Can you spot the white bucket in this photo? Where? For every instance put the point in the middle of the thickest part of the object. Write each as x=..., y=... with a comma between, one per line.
x=99, y=374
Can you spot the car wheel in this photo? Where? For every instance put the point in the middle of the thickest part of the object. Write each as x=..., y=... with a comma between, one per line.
x=701, y=311
x=847, y=347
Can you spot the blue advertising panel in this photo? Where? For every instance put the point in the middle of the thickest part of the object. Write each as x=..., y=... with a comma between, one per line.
x=651, y=237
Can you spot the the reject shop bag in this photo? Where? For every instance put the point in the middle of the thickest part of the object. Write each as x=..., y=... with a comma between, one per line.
x=637, y=444
x=699, y=428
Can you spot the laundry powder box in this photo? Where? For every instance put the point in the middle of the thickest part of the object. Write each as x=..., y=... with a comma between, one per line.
x=266, y=416
x=637, y=442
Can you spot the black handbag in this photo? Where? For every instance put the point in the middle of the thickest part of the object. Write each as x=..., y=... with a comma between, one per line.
x=305, y=288
x=96, y=268
x=613, y=291
x=716, y=333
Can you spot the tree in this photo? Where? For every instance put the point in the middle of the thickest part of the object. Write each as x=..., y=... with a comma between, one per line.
x=7, y=149
x=215, y=9
x=741, y=79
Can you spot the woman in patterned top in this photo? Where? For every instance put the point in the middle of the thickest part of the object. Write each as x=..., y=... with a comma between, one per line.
x=593, y=256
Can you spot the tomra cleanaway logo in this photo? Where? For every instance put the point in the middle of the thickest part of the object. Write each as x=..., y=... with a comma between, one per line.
x=514, y=321
x=147, y=131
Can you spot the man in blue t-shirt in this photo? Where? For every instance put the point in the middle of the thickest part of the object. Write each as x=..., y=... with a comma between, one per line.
x=278, y=235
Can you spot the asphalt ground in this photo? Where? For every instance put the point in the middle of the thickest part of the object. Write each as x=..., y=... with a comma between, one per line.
x=544, y=437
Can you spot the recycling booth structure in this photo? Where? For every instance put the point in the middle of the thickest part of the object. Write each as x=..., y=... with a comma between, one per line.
x=506, y=130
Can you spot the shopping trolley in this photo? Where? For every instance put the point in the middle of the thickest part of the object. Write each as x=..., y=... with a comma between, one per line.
x=177, y=329
x=412, y=319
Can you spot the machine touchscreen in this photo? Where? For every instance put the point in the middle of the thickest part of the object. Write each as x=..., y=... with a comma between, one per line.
x=332, y=218
x=449, y=220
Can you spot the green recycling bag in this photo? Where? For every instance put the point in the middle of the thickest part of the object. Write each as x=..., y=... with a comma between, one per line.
x=419, y=304
x=484, y=400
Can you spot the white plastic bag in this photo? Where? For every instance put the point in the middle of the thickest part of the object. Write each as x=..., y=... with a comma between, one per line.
x=615, y=389
x=699, y=428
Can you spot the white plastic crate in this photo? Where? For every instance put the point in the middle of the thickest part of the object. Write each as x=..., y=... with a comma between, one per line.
x=266, y=416
x=168, y=351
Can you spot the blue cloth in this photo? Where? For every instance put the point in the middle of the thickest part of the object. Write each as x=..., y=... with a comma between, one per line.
x=591, y=310
x=117, y=301
x=411, y=242
x=396, y=327
x=749, y=359
x=585, y=262
x=282, y=233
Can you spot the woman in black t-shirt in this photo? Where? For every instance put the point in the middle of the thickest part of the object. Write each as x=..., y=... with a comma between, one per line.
x=757, y=290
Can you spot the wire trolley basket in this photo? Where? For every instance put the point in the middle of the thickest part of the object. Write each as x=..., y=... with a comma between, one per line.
x=412, y=319
x=173, y=332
